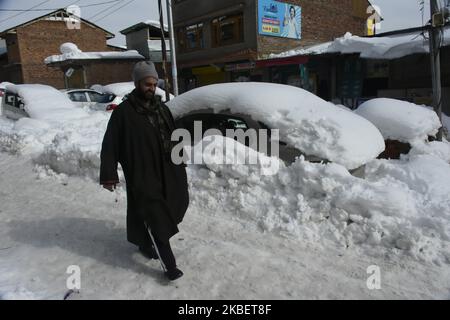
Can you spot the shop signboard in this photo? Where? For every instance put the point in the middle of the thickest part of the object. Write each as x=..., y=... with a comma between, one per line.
x=279, y=19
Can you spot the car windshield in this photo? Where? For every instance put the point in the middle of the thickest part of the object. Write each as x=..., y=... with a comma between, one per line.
x=101, y=98
x=78, y=96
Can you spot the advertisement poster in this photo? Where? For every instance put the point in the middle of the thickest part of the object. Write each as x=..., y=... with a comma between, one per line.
x=279, y=19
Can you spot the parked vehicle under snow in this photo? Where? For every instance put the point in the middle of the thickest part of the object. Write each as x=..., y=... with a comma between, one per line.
x=40, y=102
x=307, y=125
x=402, y=124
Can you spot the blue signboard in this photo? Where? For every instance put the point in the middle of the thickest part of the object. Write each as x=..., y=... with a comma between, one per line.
x=279, y=19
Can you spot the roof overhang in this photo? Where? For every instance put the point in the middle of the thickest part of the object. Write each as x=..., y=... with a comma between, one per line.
x=143, y=25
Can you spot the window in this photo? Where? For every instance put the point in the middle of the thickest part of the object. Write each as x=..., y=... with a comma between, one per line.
x=223, y=122
x=100, y=98
x=78, y=97
x=191, y=37
x=227, y=30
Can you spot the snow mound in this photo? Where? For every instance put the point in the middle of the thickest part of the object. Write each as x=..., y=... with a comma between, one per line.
x=426, y=177
x=438, y=149
x=402, y=206
x=316, y=127
x=400, y=120
x=220, y=154
x=70, y=147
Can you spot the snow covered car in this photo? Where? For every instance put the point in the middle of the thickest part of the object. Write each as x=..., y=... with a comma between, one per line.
x=94, y=99
x=122, y=89
x=402, y=124
x=308, y=125
x=38, y=101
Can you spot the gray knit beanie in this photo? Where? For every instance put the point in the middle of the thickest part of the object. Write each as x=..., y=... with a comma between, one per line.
x=144, y=69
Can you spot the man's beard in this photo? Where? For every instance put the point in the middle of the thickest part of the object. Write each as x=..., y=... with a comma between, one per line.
x=146, y=95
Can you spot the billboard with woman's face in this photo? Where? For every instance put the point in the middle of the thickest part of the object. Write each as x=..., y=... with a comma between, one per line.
x=279, y=19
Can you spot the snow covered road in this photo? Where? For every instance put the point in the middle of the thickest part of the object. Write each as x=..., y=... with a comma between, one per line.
x=48, y=223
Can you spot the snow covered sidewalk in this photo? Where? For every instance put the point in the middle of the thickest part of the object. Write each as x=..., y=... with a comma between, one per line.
x=49, y=222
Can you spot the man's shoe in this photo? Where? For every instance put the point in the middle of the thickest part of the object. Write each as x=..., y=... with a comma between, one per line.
x=174, y=274
x=149, y=253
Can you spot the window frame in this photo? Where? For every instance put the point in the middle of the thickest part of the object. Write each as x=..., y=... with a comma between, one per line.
x=238, y=29
x=199, y=37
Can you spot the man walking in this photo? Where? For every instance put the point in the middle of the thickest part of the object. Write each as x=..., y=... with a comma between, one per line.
x=138, y=137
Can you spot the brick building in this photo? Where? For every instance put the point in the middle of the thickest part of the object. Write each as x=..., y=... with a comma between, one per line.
x=222, y=41
x=30, y=43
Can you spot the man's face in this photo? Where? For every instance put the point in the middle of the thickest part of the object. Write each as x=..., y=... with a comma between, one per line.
x=147, y=87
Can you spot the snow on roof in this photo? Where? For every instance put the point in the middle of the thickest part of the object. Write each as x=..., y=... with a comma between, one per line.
x=121, y=89
x=117, y=46
x=400, y=120
x=43, y=102
x=70, y=51
x=316, y=127
x=144, y=24
x=156, y=24
x=387, y=47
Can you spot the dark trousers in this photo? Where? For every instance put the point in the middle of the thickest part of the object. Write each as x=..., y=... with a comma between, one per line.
x=164, y=252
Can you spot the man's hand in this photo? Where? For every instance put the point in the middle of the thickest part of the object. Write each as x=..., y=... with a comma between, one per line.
x=111, y=186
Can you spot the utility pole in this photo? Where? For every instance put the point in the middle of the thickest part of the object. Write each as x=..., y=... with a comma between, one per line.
x=164, y=51
x=435, y=43
x=173, y=56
